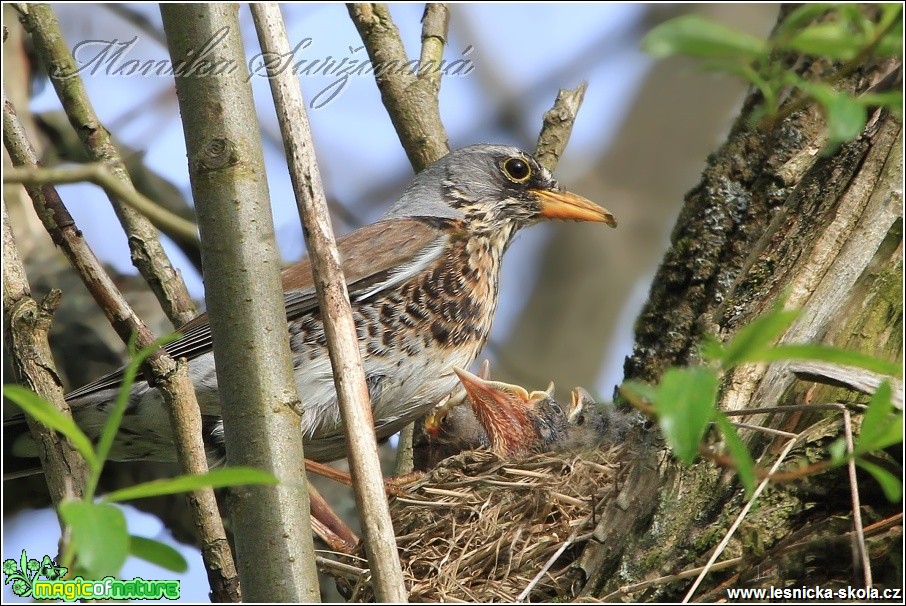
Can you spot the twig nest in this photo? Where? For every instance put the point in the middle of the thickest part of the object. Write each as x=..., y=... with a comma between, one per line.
x=480, y=528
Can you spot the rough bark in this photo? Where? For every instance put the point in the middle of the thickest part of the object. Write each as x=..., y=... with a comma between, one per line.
x=772, y=215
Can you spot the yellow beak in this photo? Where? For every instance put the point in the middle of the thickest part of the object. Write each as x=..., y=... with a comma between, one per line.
x=567, y=206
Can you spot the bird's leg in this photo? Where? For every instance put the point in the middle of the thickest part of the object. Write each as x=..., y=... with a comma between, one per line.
x=328, y=526
x=391, y=485
x=326, y=471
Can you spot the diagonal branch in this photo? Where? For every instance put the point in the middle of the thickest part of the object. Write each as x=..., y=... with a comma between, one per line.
x=98, y=174
x=339, y=326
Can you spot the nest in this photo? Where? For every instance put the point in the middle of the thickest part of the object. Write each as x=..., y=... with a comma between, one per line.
x=480, y=528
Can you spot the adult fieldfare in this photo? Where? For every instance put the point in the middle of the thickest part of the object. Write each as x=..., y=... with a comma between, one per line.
x=423, y=285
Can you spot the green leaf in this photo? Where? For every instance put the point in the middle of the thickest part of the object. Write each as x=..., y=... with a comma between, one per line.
x=829, y=39
x=837, y=450
x=891, y=23
x=756, y=335
x=801, y=16
x=845, y=116
x=742, y=459
x=641, y=390
x=684, y=404
x=711, y=349
x=825, y=353
x=890, y=484
x=99, y=537
x=880, y=428
x=231, y=476
x=700, y=37
x=891, y=45
x=115, y=418
x=889, y=13
x=44, y=412
x=157, y=553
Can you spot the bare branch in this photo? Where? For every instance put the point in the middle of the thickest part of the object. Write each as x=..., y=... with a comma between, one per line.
x=336, y=313
x=558, y=126
x=101, y=176
x=435, y=23
x=859, y=536
x=26, y=325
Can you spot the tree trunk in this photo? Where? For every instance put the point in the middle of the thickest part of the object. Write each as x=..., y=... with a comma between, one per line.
x=772, y=215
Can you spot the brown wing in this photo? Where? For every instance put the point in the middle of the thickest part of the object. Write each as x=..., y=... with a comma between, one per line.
x=371, y=256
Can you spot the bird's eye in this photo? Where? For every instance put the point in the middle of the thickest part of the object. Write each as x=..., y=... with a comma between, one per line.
x=517, y=170
x=556, y=407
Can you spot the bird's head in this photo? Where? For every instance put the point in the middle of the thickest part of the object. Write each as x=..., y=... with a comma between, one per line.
x=493, y=188
x=516, y=421
x=581, y=405
x=592, y=423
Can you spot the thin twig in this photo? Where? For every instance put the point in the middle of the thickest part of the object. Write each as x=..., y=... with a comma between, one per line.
x=741, y=412
x=101, y=176
x=770, y=430
x=339, y=569
x=742, y=514
x=411, y=102
x=339, y=327
x=861, y=549
x=627, y=589
x=558, y=126
x=550, y=562
x=779, y=477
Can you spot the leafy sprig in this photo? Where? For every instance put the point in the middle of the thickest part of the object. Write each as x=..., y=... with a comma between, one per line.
x=839, y=32
x=685, y=401
x=100, y=541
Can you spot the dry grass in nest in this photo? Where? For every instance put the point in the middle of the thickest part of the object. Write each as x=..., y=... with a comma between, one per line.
x=480, y=528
